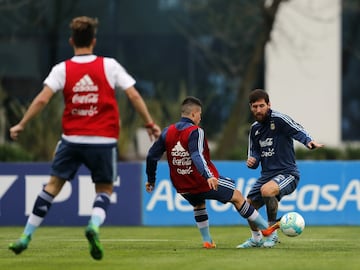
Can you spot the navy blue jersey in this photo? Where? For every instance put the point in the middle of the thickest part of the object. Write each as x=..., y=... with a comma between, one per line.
x=271, y=143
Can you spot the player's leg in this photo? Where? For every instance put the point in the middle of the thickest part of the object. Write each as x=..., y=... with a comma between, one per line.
x=255, y=200
x=227, y=193
x=272, y=192
x=64, y=166
x=269, y=191
x=202, y=222
x=41, y=207
x=98, y=216
x=246, y=210
x=201, y=218
x=102, y=162
x=101, y=202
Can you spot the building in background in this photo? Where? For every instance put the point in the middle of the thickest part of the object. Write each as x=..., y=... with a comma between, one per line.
x=303, y=66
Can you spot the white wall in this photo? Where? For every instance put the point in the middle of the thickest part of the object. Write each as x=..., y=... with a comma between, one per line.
x=303, y=66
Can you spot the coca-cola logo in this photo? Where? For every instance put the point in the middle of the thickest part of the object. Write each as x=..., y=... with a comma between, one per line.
x=91, y=98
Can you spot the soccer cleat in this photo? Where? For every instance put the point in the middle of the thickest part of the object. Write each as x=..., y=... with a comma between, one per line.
x=96, y=249
x=251, y=243
x=209, y=245
x=268, y=231
x=20, y=245
x=271, y=240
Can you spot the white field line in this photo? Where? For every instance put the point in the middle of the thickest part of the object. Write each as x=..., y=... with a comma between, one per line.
x=120, y=240
x=141, y=240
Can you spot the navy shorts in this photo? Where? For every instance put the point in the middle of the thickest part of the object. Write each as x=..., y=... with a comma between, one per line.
x=224, y=193
x=287, y=184
x=100, y=159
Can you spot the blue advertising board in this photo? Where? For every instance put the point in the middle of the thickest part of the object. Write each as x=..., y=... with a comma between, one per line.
x=22, y=182
x=328, y=194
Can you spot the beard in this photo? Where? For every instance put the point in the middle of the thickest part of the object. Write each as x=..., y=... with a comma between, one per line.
x=260, y=117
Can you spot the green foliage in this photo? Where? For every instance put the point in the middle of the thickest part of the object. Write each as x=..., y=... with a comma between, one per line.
x=162, y=112
x=302, y=153
x=328, y=153
x=43, y=132
x=179, y=248
x=14, y=152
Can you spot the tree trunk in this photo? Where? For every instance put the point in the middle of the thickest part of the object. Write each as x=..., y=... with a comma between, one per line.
x=240, y=112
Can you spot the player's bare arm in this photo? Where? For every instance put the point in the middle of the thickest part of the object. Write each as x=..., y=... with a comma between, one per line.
x=137, y=101
x=37, y=105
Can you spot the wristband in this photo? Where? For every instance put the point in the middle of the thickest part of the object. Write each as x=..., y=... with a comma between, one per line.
x=150, y=125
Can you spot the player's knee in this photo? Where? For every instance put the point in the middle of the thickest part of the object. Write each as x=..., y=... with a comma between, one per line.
x=237, y=197
x=269, y=190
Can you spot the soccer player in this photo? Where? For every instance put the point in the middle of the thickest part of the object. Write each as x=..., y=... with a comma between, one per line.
x=90, y=125
x=192, y=173
x=271, y=145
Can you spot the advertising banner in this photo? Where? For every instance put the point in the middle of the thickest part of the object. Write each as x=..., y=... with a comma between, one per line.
x=20, y=183
x=328, y=194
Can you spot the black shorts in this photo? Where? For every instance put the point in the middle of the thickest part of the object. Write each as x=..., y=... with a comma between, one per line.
x=100, y=159
x=224, y=193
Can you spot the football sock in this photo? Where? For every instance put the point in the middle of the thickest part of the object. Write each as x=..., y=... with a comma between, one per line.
x=42, y=205
x=202, y=222
x=249, y=212
x=256, y=235
x=260, y=222
x=101, y=203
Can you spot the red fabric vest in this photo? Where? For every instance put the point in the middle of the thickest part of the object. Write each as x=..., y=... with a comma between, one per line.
x=91, y=108
x=183, y=172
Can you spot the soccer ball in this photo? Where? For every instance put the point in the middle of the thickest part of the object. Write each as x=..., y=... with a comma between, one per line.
x=292, y=224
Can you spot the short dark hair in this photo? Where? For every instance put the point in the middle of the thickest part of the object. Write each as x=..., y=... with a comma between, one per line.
x=258, y=94
x=188, y=104
x=83, y=30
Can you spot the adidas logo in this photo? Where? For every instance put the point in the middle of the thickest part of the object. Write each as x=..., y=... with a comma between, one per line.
x=179, y=151
x=178, y=147
x=85, y=84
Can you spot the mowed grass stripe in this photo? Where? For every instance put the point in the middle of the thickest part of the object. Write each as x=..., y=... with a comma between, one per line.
x=179, y=248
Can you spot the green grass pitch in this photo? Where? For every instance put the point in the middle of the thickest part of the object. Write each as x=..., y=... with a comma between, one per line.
x=179, y=248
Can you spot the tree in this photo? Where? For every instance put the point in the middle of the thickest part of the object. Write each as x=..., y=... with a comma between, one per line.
x=232, y=36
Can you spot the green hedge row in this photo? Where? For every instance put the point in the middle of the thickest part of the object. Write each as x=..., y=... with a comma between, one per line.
x=329, y=153
x=15, y=153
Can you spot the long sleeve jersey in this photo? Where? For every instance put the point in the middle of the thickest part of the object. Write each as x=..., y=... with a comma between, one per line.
x=187, y=154
x=271, y=143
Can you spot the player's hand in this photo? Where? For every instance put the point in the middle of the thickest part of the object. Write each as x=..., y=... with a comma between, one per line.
x=313, y=145
x=153, y=131
x=15, y=131
x=149, y=187
x=250, y=162
x=213, y=183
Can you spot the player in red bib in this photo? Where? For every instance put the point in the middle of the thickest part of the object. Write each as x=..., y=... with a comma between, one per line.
x=90, y=128
x=192, y=173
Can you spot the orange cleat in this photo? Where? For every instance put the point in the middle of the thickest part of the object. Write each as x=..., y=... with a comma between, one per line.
x=271, y=229
x=209, y=245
